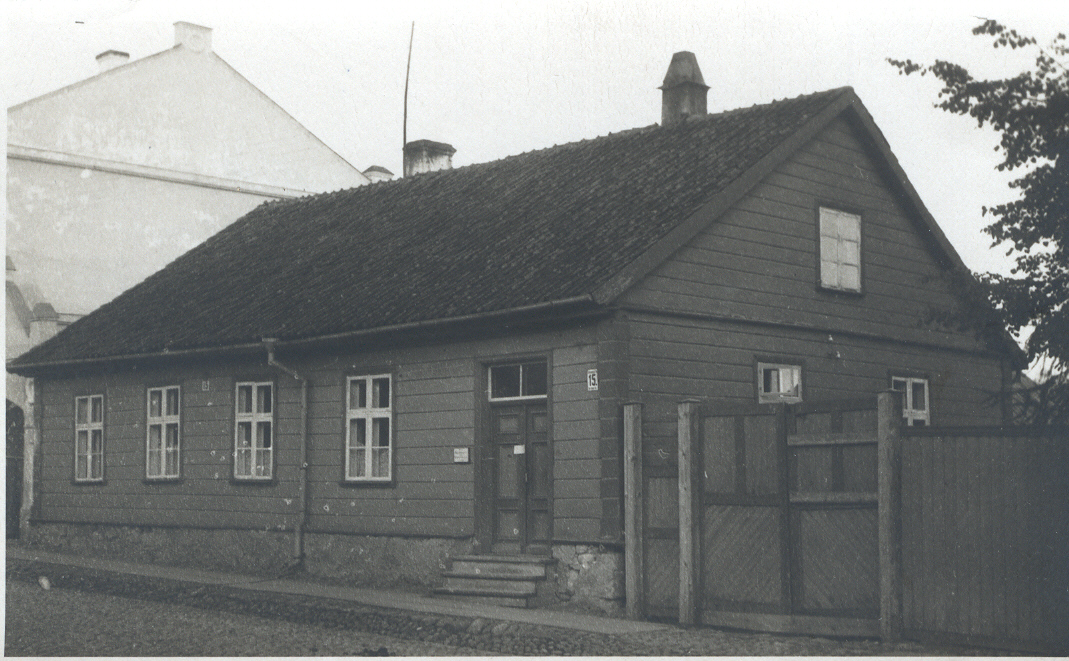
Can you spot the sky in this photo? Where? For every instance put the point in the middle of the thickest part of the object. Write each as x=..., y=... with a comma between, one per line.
x=495, y=79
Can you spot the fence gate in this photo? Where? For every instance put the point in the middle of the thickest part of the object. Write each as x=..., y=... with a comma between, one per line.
x=782, y=525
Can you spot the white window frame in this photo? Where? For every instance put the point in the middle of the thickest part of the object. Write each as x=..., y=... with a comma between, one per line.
x=362, y=462
x=910, y=412
x=162, y=422
x=261, y=456
x=89, y=455
x=521, y=397
x=780, y=396
x=840, y=250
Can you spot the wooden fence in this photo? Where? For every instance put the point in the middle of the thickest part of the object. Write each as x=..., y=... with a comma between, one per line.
x=833, y=518
x=985, y=520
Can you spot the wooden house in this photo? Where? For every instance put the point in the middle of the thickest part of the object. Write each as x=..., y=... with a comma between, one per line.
x=378, y=380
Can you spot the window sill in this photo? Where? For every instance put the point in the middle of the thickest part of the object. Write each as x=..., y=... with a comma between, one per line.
x=780, y=400
x=854, y=293
x=89, y=483
x=162, y=480
x=253, y=481
x=368, y=484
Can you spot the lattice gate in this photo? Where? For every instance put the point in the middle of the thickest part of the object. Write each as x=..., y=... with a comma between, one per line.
x=784, y=524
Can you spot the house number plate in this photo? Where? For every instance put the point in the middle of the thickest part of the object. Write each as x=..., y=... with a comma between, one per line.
x=519, y=449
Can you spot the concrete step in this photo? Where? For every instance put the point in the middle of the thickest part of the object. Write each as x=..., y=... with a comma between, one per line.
x=489, y=596
x=511, y=602
x=499, y=580
x=462, y=582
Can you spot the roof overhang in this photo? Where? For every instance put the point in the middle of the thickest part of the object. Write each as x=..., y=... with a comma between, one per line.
x=573, y=308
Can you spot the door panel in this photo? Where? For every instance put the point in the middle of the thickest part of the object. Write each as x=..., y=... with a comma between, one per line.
x=522, y=479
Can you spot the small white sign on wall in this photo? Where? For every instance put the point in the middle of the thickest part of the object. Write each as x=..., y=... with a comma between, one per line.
x=460, y=455
x=591, y=379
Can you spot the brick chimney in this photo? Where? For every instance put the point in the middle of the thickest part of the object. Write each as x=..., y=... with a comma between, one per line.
x=196, y=38
x=427, y=156
x=110, y=59
x=683, y=91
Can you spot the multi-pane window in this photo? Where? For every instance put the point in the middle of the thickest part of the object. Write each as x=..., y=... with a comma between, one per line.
x=914, y=400
x=89, y=438
x=840, y=250
x=253, y=431
x=519, y=381
x=368, y=444
x=163, y=431
x=779, y=383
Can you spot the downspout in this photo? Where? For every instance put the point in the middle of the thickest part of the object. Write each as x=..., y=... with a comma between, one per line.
x=302, y=493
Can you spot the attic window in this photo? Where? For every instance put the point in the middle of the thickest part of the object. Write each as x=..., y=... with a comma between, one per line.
x=840, y=250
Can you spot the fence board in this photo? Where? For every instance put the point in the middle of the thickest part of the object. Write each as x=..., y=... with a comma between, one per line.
x=837, y=560
x=985, y=538
x=741, y=557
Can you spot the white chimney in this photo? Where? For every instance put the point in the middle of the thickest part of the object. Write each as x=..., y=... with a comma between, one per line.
x=44, y=324
x=427, y=156
x=196, y=38
x=110, y=59
x=377, y=173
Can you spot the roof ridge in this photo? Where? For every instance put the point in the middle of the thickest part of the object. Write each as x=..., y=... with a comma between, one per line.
x=575, y=144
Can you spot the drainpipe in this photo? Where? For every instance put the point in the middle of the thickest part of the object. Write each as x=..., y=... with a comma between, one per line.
x=302, y=498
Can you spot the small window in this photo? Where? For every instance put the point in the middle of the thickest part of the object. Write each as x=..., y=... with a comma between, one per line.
x=368, y=439
x=89, y=438
x=519, y=381
x=779, y=383
x=840, y=250
x=163, y=433
x=914, y=400
x=253, y=431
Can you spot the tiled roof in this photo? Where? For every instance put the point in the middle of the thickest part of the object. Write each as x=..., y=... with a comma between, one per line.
x=539, y=227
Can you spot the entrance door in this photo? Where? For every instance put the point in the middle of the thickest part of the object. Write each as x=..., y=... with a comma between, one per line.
x=522, y=513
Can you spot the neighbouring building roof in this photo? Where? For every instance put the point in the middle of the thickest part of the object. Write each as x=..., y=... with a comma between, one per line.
x=575, y=220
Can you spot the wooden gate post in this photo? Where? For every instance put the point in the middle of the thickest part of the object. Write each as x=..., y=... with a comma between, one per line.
x=889, y=448
x=689, y=486
x=633, y=514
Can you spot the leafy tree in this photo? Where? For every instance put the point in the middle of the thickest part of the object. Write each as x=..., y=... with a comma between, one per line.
x=1031, y=112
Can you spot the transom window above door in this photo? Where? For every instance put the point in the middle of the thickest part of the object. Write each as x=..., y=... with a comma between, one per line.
x=527, y=380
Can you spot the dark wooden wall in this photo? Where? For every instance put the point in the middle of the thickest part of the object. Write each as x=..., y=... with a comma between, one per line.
x=747, y=286
x=435, y=393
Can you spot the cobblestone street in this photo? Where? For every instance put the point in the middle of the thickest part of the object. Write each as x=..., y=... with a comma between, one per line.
x=85, y=612
x=60, y=622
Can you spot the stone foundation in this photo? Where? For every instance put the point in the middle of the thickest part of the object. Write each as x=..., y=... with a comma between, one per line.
x=355, y=560
x=381, y=561
x=590, y=576
x=252, y=551
x=585, y=576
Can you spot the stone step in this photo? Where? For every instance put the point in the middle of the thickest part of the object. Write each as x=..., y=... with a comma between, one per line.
x=511, y=602
x=500, y=565
x=462, y=582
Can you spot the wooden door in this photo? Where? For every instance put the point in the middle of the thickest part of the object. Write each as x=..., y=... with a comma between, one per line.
x=523, y=464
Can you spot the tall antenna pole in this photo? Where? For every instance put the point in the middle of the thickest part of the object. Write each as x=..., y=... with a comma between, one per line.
x=408, y=67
